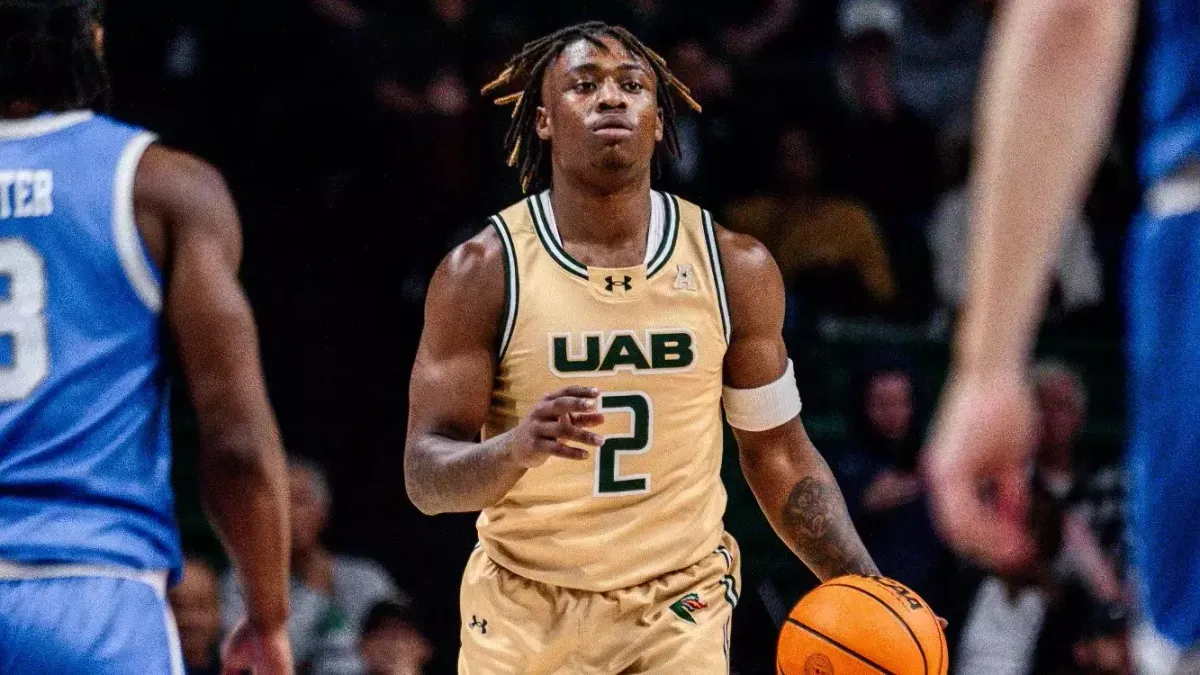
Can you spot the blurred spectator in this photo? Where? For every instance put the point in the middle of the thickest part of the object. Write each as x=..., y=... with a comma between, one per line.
x=1040, y=620
x=697, y=172
x=1069, y=618
x=1006, y=618
x=752, y=37
x=886, y=152
x=354, y=584
x=878, y=477
x=938, y=53
x=1093, y=495
x=1079, y=276
x=197, y=609
x=392, y=642
x=815, y=237
x=330, y=593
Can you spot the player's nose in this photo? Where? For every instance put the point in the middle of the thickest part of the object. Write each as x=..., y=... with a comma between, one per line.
x=610, y=96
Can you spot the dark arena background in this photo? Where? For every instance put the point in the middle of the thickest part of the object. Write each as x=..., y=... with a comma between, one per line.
x=360, y=152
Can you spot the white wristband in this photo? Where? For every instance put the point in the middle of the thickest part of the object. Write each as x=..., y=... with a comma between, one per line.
x=764, y=407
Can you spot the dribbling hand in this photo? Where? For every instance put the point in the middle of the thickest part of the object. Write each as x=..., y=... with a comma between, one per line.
x=260, y=652
x=563, y=415
x=976, y=463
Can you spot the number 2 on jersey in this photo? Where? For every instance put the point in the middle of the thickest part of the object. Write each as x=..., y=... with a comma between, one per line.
x=609, y=481
x=22, y=320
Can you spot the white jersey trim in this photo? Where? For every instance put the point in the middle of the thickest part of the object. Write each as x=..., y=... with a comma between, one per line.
x=125, y=233
x=654, y=235
x=512, y=286
x=14, y=571
x=174, y=647
x=11, y=130
x=718, y=271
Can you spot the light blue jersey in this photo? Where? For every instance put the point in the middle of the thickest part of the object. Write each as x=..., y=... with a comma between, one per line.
x=1171, y=107
x=1163, y=301
x=84, y=439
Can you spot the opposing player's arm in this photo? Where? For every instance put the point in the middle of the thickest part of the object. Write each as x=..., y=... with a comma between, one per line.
x=191, y=228
x=790, y=479
x=1050, y=95
x=1050, y=92
x=445, y=469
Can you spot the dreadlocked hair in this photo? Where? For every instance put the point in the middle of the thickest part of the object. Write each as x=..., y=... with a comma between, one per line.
x=525, y=149
x=48, y=55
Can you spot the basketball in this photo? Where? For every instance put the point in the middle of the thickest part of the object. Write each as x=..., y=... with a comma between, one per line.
x=855, y=625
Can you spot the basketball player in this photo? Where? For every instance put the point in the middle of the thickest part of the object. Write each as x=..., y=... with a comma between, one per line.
x=107, y=239
x=593, y=333
x=1052, y=88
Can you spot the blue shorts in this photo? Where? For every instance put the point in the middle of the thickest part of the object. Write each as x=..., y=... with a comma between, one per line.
x=1163, y=305
x=86, y=625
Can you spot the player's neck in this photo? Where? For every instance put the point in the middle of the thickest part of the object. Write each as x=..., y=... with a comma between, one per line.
x=605, y=218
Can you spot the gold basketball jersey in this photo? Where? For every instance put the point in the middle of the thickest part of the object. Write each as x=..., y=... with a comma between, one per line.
x=652, y=338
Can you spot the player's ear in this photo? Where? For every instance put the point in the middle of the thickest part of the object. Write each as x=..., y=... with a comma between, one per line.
x=542, y=124
x=658, y=126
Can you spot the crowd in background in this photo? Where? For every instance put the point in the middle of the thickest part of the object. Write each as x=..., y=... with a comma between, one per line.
x=838, y=133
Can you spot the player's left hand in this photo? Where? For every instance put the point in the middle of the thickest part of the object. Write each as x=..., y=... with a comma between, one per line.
x=259, y=651
x=976, y=465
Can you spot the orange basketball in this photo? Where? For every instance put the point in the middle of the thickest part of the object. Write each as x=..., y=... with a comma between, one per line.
x=856, y=625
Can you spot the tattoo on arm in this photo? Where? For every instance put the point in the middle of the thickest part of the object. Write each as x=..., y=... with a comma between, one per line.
x=820, y=530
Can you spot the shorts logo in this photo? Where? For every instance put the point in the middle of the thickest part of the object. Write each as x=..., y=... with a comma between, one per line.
x=818, y=664
x=689, y=603
x=481, y=624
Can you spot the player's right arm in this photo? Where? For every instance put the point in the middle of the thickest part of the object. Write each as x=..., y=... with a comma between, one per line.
x=445, y=468
x=1050, y=93
x=190, y=226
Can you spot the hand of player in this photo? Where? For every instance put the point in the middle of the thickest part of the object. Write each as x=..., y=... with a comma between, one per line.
x=261, y=652
x=976, y=465
x=563, y=415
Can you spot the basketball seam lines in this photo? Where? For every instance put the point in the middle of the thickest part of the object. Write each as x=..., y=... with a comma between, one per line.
x=924, y=659
x=840, y=646
x=941, y=641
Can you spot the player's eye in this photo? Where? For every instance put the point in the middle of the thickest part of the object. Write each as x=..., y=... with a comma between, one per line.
x=585, y=87
x=633, y=86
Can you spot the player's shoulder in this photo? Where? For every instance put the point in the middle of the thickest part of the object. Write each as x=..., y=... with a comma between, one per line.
x=477, y=260
x=165, y=169
x=753, y=282
x=742, y=255
x=471, y=276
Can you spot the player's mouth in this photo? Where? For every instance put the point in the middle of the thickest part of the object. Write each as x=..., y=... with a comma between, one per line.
x=612, y=128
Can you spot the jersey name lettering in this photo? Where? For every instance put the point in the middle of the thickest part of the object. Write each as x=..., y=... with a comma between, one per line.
x=26, y=194
x=610, y=352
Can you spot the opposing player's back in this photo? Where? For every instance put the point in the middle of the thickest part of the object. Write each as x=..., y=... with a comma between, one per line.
x=1172, y=92
x=84, y=445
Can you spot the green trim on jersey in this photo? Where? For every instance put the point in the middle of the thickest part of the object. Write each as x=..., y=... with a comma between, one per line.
x=718, y=270
x=666, y=247
x=542, y=225
x=512, y=286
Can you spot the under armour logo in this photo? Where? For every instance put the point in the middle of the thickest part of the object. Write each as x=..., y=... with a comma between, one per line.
x=481, y=624
x=611, y=283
